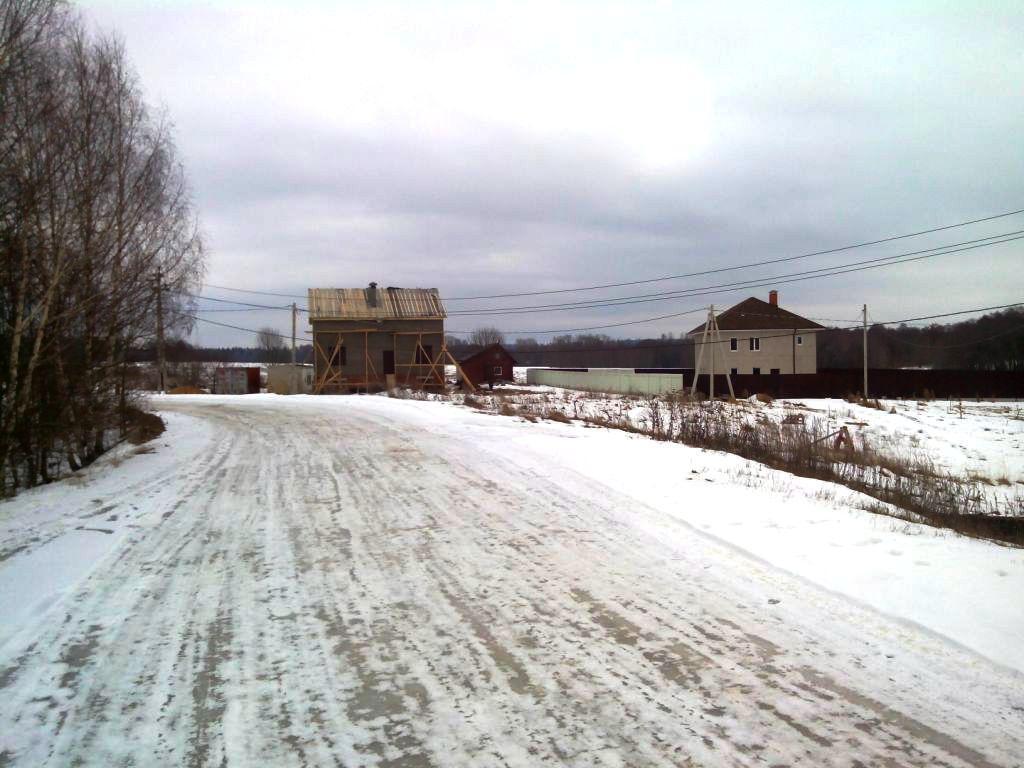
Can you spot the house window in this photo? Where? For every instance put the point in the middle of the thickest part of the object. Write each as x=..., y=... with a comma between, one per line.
x=755, y=345
x=425, y=354
x=775, y=371
x=757, y=371
x=734, y=371
x=734, y=344
x=497, y=370
x=799, y=341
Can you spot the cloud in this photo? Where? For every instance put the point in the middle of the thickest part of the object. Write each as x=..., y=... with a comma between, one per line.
x=544, y=146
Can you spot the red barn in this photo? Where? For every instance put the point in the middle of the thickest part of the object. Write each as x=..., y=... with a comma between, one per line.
x=236, y=380
x=490, y=365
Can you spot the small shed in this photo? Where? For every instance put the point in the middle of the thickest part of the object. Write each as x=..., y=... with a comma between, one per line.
x=236, y=380
x=287, y=379
x=490, y=365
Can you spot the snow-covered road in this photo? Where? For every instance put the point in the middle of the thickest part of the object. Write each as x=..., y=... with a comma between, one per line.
x=342, y=581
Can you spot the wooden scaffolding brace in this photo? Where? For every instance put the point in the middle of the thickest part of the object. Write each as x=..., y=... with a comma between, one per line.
x=332, y=376
x=435, y=366
x=710, y=327
x=336, y=377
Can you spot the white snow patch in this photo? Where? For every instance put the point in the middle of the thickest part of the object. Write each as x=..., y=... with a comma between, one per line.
x=48, y=545
x=966, y=590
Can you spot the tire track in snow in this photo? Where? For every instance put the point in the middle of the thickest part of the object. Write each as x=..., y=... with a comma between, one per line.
x=761, y=653
x=325, y=591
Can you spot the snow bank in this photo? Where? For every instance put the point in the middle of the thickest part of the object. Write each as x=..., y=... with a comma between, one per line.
x=52, y=537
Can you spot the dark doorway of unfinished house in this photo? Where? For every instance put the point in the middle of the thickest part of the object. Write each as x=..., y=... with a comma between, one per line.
x=389, y=361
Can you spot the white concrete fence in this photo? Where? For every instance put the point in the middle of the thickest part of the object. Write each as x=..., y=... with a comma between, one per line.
x=622, y=381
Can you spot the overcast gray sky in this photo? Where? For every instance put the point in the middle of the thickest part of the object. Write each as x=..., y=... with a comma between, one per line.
x=484, y=148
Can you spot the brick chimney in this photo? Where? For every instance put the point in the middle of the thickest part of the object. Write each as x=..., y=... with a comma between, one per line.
x=371, y=295
x=773, y=298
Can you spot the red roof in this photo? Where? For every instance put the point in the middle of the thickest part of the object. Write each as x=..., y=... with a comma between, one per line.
x=756, y=315
x=488, y=348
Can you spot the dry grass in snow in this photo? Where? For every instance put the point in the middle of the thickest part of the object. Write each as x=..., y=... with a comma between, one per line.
x=952, y=465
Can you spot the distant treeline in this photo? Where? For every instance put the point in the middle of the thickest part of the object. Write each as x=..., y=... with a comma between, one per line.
x=993, y=342
x=593, y=351
x=180, y=351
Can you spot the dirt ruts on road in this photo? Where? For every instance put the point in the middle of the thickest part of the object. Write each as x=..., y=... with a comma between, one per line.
x=335, y=586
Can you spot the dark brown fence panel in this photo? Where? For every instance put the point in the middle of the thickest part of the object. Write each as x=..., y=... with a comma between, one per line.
x=882, y=382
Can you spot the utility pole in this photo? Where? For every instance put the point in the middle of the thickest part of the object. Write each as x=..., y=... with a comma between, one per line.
x=160, y=360
x=700, y=355
x=725, y=368
x=682, y=361
x=865, y=351
x=712, y=336
x=295, y=376
x=711, y=378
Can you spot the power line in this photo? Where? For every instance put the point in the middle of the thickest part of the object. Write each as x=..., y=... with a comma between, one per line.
x=240, y=328
x=1017, y=329
x=259, y=293
x=238, y=309
x=792, y=277
x=601, y=327
x=232, y=301
x=742, y=266
x=717, y=270
x=852, y=325
x=662, y=317
x=635, y=322
x=677, y=344
x=952, y=314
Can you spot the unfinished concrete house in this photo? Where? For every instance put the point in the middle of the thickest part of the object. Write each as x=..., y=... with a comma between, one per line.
x=371, y=338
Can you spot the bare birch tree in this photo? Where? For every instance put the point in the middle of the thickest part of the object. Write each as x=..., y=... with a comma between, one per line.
x=93, y=204
x=482, y=337
x=271, y=345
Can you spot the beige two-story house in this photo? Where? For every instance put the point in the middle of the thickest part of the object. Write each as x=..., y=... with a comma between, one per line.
x=760, y=337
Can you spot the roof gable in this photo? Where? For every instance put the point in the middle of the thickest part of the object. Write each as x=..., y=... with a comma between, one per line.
x=753, y=314
x=485, y=350
x=391, y=304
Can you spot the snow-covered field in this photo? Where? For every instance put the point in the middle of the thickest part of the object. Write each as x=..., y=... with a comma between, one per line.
x=982, y=440
x=371, y=581
x=981, y=437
